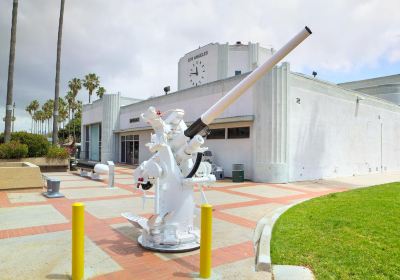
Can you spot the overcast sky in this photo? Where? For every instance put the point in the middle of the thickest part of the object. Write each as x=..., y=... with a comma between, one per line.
x=134, y=45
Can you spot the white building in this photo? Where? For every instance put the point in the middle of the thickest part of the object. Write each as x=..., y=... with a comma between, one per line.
x=287, y=127
x=215, y=62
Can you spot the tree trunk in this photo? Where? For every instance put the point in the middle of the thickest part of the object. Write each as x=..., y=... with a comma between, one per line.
x=90, y=95
x=57, y=82
x=69, y=120
x=10, y=82
x=73, y=122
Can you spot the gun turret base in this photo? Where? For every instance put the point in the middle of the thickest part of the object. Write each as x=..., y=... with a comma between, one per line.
x=181, y=248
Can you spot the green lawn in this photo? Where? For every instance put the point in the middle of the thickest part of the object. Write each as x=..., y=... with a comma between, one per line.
x=348, y=235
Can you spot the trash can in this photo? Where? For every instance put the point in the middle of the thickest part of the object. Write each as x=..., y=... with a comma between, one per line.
x=219, y=173
x=53, y=188
x=237, y=173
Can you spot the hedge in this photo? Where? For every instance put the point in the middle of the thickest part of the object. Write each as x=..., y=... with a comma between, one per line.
x=13, y=149
x=38, y=145
x=57, y=152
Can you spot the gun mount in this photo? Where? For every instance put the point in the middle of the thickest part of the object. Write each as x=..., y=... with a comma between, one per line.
x=172, y=171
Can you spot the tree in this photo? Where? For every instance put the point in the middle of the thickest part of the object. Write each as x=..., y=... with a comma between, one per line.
x=47, y=109
x=76, y=106
x=75, y=86
x=91, y=82
x=31, y=109
x=63, y=111
x=30, y=112
x=35, y=106
x=10, y=81
x=70, y=101
x=57, y=81
x=100, y=92
x=39, y=116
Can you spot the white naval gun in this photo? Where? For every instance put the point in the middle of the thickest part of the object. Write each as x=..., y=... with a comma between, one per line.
x=173, y=173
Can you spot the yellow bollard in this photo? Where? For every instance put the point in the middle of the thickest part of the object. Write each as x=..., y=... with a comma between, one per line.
x=205, y=241
x=78, y=245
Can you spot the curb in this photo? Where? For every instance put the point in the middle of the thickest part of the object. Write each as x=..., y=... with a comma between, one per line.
x=262, y=246
x=262, y=238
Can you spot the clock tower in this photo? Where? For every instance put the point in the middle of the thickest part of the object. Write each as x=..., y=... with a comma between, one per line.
x=216, y=61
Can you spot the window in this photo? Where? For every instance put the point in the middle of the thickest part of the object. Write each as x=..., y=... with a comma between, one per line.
x=238, y=72
x=238, y=132
x=218, y=133
x=133, y=120
x=87, y=141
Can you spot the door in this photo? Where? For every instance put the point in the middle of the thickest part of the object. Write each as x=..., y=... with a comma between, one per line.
x=135, y=152
x=129, y=152
x=94, y=142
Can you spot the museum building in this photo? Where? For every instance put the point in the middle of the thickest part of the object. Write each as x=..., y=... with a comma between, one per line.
x=287, y=127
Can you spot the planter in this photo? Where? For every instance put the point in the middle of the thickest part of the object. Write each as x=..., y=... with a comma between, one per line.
x=18, y=175
x=45, y=164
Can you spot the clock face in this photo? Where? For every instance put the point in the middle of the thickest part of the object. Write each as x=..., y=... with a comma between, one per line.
x=197, y=73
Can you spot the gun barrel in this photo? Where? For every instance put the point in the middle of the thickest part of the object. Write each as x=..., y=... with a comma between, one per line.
x=229, y=98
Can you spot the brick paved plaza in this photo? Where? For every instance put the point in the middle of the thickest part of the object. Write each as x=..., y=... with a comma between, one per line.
x=35, y=232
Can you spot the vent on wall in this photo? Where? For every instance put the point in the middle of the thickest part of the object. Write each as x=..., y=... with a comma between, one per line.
x=134, y=120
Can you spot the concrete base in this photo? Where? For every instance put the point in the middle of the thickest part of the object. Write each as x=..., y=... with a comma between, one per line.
x=52, y=195
x=271, y=173
x=18, y=175
x=45, y=164
x=181, y=248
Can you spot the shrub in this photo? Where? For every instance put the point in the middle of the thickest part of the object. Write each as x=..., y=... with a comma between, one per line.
x=13, y=149
x=57, y=152
x=38, y=145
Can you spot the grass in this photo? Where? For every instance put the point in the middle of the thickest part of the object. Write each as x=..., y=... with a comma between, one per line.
x=348, y=235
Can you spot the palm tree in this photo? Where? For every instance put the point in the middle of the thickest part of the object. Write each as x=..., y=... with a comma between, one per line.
x=100, y=92
x=91, y=82
x=57, y=82
x=70, y=101
x=31, y=109
x=35, y=106
x=63, y=112
x=10, y=81
x=39, y=116
x=48, y=112
x=30, y=112
x=76, y=106
x=35, y=119
x=75, y=85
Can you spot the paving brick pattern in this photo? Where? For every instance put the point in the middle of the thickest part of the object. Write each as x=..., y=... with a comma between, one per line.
x=237, y=207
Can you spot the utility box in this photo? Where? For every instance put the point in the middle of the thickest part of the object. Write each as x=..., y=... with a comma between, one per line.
x=237, y=173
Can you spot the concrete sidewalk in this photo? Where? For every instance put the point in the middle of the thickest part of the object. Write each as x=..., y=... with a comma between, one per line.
x=35, y=231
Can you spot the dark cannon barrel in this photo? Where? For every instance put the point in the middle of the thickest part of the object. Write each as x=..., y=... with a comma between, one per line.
x=86, y=164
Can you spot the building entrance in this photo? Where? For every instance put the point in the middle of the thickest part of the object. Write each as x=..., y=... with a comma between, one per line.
x=130, y=149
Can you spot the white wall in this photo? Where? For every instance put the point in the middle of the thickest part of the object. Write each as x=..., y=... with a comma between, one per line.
x=238, y=59
x=230, y=151
x=194, y=101
x=209, y=59
x=92, y=113
x=331, y=135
